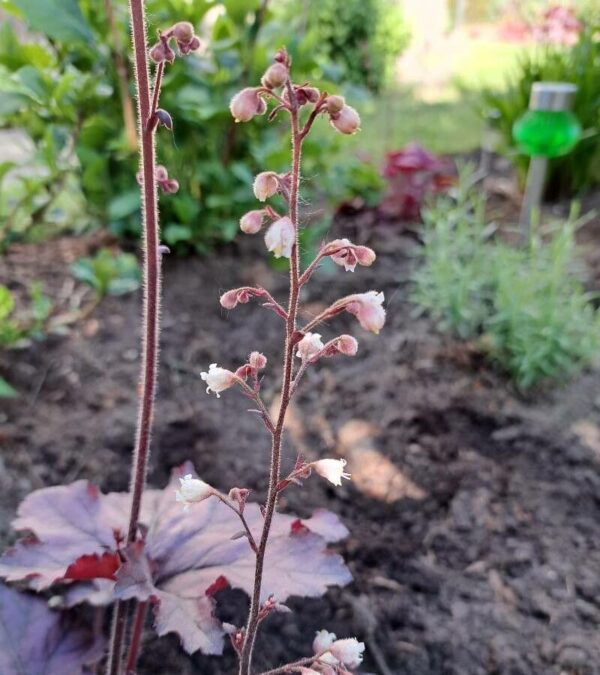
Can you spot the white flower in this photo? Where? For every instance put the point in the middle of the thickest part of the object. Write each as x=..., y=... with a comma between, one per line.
x=349, y=651
x=309, y=346
x=266, y=184
x=321, y=642
x=367, y=308
x=192, y=490
x=217, y=379
x=280, y=237
x=331, y=469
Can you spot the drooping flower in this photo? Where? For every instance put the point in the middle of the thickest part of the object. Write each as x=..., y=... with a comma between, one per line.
x=251, y=222
x=349, y=651
x=346, y=121
x=192, y=490
x=331, y=469
x=348, y=345
x=266, y=184
x=322, y=640
x=348, y=255
x=257, y=360
x=280, y=237
x=275, y=76
x=334, y=104
x=217, y=379
x=246, y=104
x=183, y=31
x=309, y=346
x=368, y=309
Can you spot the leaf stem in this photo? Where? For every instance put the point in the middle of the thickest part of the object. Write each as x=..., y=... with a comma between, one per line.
x=151, y=306
x=136, y=636
x=275, y=470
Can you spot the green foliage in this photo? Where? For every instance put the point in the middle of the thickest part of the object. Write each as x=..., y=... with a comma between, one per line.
x=580, y=65
x=14, y=330
x=526, y=306
x=109, y=273
x=65, y=93
x=362, y=37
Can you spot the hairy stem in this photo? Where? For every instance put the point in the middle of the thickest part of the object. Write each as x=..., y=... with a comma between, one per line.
x=150, y=331
x=253, y=620
x=136, y=636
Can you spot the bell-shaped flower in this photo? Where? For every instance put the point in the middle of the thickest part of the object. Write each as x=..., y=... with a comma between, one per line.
x=348, y=651
x=251, y=222
x=368, y=309
x=346, y=121
x=309, y=346
x=348, y=255
x=192, y=490
x=266, y=184
x=280, y=237
x=257, y=360
x=218, y=379
x=331, y=469
x=346, y=344
x=246, y=104
x=275, y=76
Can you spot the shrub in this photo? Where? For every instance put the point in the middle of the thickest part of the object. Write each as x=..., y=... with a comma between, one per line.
x=578, y=64
x=526, y=307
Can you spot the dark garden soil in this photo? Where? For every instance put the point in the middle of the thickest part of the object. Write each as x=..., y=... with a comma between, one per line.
x=474, y=512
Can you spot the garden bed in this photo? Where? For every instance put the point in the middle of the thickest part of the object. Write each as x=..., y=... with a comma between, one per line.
x=474, y=512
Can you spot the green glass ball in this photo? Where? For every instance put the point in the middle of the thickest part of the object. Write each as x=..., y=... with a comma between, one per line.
x=547, y=133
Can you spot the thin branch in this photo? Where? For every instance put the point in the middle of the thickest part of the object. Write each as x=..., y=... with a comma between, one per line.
x=242, y=518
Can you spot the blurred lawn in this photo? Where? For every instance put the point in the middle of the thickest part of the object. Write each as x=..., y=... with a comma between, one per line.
x=398, y=118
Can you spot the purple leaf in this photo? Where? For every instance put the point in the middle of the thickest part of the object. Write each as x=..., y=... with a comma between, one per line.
x=134, y=578
x=35, y=640
x=192, y=619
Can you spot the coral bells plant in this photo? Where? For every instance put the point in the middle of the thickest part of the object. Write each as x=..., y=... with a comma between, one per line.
x=169, y=552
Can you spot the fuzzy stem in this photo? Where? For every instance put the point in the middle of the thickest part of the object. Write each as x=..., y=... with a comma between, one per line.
x=151, y=308
x=136, y=636
x=253, y=617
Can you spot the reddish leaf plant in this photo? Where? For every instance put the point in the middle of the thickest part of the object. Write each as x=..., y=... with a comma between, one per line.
x=175, y=548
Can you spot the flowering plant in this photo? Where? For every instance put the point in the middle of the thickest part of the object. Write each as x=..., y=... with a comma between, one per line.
x=173, y=549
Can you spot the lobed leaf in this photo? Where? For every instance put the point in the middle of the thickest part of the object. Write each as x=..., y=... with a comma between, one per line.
x=35, y=640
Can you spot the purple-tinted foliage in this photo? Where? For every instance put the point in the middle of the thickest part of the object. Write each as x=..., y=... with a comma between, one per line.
x=76, y=533
x=413, y=174
x=35, y=640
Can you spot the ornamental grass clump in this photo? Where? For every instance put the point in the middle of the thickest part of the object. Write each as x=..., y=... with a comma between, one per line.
x=172, y=550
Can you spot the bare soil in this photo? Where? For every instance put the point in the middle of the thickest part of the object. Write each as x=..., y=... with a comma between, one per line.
x=474, y=511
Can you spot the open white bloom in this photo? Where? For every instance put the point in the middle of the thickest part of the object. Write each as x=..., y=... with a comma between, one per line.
x=368, y=309
x=349, y=651
x=217, y=379
x=280, y=237
x=309, y=346
x=332, y=470
x=321, y=642
x=192, y=490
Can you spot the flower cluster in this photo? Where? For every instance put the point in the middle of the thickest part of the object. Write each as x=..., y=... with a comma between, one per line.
x=185, y=38
x=304, y=347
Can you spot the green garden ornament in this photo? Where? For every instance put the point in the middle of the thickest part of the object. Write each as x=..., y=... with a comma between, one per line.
x=548, y=129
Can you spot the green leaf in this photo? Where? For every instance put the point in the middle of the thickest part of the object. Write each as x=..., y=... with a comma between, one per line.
x=124, y=205
x=7, y=302
x=6, y=391
x=58, y=19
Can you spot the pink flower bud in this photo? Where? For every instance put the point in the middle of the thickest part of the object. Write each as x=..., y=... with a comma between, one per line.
x=246, y=104
x=161, y=173
x=309, y=346
x=243, y=372
x=365, y=255
x=266, y=184
x=170, y=186
x=367, y=308
x=281, y=237
x=183, y=31
x=334, y=104
x=231, y=298
x=333, y=471
x=349, y=651
x=194, y=44
x=239, y=495
x=161, y=52
x=217, y=379
x=251, y=222
x=347, y=345
x=257, y=360
x=347, y=121
x=275, y=76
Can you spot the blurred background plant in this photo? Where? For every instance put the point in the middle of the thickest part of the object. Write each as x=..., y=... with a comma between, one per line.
x=527, y=308
x=71, y=94
x=108, y=272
